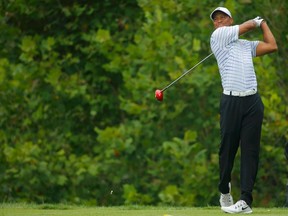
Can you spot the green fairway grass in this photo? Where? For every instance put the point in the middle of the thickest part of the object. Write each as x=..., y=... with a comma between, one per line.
x=66, y=210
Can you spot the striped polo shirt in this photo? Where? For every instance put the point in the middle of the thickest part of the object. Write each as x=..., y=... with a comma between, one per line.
x=234, y=58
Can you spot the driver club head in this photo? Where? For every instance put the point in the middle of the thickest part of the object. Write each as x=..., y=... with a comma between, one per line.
x=159, y=95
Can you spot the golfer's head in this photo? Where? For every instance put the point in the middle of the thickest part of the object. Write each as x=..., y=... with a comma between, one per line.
x=221, y=17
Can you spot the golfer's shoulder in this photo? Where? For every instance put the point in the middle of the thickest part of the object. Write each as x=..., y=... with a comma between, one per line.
x=225, y=30
x=219, y=32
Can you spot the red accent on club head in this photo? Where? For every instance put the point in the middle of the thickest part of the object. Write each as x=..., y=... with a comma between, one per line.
x=159, y=95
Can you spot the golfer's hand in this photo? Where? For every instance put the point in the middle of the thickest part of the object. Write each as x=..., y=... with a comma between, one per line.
x=258, y=20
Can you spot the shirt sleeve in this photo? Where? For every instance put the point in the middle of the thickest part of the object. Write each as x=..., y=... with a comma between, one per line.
x=254, y=45
x=224, y=36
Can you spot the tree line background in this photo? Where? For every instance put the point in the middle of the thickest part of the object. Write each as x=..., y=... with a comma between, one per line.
x=78, y=119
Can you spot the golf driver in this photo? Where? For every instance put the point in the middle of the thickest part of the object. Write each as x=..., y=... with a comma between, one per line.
x=159, y=93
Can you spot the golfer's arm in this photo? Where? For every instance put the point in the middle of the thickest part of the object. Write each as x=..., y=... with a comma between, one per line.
x=246, y=27
x=268, y=45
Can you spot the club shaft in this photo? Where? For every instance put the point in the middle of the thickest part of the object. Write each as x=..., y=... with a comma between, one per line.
x=180, y=77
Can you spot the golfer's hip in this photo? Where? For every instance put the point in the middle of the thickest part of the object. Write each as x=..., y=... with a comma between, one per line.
x=240, y=93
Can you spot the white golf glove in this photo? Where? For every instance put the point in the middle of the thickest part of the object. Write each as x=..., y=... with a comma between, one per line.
x=258, y=20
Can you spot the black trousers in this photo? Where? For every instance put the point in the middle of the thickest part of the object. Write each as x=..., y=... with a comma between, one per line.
x=240, y=123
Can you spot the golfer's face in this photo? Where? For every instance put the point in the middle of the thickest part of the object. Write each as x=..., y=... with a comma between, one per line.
x=221, y=19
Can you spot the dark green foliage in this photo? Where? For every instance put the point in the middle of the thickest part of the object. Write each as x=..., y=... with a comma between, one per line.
x=78, y=119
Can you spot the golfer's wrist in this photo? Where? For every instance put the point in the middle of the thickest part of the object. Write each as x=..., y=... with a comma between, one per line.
x=263, y=22
x=258, y=21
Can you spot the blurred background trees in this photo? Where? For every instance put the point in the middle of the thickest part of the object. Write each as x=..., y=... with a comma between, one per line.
x=78, y=119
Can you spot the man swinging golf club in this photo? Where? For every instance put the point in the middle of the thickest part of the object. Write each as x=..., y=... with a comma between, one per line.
x=241, y=107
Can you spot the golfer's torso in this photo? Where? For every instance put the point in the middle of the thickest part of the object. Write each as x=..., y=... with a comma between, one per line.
x=236, y=67
x=234, y=58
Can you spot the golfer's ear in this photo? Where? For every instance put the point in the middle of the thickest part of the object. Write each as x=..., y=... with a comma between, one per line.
x=232, y=21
